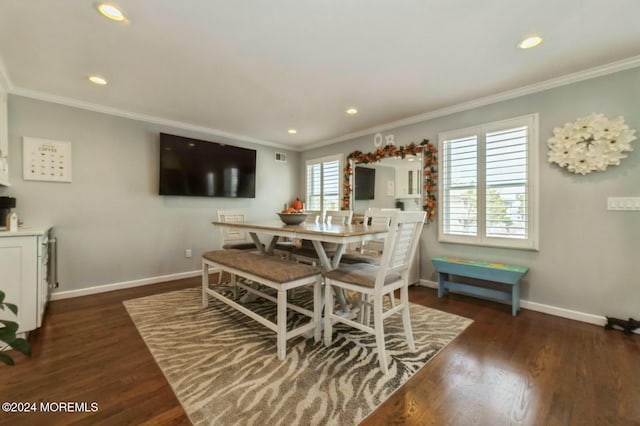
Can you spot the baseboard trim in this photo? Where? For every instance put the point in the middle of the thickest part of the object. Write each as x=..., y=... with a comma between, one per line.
x=59, y=295
x=533, y=306
x=545, y=309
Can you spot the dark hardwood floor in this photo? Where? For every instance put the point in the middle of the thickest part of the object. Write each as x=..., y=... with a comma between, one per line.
x=534, y=369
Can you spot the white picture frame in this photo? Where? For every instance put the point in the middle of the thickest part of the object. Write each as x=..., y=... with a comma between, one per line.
x=46, y=160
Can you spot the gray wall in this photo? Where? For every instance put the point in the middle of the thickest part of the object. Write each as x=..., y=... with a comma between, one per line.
x=111, y=223
x=589, y=258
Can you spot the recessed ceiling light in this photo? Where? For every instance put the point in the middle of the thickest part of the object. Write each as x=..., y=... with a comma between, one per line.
x=530, y=42
x=97, y=80
x=292, y=131
x=352, y=111
x=110, y=11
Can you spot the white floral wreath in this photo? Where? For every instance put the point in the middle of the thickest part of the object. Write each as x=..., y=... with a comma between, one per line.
x=592, y=143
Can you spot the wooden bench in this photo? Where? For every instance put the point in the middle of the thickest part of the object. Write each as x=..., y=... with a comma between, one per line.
x=272, y=272
x=494, y=272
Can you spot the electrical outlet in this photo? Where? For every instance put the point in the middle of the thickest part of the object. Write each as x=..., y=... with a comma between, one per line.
x=187, y=253
x=623, y=203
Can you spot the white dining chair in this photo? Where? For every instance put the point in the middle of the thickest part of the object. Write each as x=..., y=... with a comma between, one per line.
x=233, y=238
x=370, y=251
x=376, y=281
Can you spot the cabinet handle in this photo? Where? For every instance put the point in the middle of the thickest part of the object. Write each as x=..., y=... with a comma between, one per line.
x=53, y=263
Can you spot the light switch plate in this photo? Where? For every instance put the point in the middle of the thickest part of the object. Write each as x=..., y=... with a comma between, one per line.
x=623, y=203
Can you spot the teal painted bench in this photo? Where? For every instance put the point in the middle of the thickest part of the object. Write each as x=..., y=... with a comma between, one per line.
x=494, y=272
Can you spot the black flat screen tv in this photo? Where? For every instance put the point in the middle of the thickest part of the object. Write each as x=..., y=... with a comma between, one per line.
x=365, y=182
x=206, y=169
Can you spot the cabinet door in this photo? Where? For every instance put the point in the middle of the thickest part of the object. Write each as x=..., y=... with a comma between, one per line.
x=18, y=279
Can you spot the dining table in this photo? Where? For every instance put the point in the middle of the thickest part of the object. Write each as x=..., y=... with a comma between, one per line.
x=317, y=233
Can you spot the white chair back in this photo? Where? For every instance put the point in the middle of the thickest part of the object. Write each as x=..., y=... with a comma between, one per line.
x=338, y=217
x=376, y=217
x=400, y=244
x=232, y=235
x=313, y=216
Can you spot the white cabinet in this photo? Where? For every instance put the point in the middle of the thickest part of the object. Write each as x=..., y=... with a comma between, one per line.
x=23, y=275
x=4, y=138
x=408, y=181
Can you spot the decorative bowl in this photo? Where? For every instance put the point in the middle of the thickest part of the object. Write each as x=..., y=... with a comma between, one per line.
x=292, y=218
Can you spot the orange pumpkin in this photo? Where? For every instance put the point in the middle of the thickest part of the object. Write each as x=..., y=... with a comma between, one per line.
x=297, y=204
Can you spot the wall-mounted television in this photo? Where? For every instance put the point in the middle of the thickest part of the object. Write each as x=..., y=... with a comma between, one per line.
x=205, y=169
x=365, y=183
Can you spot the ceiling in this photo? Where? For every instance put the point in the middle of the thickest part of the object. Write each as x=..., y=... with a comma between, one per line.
x=254, y=69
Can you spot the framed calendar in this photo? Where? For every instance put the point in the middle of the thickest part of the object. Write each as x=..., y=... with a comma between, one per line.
x=45, y=159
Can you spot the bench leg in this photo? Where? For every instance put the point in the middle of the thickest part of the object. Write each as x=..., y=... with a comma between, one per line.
x=205, y=285
x=515, y=299
x=442, y=277
x=282, y=324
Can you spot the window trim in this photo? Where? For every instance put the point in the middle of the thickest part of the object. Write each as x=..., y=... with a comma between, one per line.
x=320, y=160
x=533, y=177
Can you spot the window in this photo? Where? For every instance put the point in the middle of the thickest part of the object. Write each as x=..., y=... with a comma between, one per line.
x=323, y=183
x=488, y=184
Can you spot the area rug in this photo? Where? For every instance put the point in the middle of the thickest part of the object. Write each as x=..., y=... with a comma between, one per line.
x=224, y=369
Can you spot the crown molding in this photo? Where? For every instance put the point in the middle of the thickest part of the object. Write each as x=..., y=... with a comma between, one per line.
x=41, y=96
x=588, y=74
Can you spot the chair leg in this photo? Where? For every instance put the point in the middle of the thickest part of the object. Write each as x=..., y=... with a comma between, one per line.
x=282, y=325
x=406, y=317
x=328, y=313
x=392, y=300
x=317, y=309
x=379, y=329
x=367, y=310
x=361, y=305
x=205, y=284
x=234, y=286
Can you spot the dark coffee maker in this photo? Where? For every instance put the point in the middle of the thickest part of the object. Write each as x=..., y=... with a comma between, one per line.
x=6, y=204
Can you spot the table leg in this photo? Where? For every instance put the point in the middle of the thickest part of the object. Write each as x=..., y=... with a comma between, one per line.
x=327, y=266
x=272, y=245
x=257, y=242
x=335, y=262
x=322, y=255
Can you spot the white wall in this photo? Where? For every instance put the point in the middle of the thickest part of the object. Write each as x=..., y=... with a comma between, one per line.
x=589, y=258
x=111, y=224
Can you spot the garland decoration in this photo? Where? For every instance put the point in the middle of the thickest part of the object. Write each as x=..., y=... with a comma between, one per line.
x=430, y=162
x=590, y=144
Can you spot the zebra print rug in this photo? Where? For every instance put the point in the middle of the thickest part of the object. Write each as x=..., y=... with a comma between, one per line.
x=224, y=369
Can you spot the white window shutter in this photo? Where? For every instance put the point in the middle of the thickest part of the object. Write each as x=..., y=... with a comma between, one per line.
x=506, y=189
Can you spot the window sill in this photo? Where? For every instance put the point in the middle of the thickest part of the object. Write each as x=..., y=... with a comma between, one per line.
x=525, y=246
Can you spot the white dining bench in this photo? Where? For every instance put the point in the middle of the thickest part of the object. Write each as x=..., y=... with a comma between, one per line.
x=281, y=275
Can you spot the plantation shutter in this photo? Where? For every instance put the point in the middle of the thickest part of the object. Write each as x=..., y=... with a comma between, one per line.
x=460, y=204
x=506, y=189
x=331, y=185
x=323, y=184
x=489, y=184
x=314, y=186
